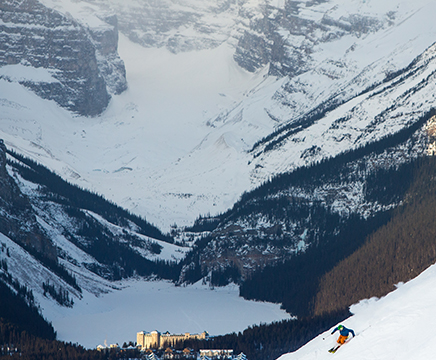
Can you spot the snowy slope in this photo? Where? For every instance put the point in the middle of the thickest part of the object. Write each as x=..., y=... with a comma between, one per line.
x=363, y=119
x=398, y=326
x=31, y=272
x=174, y=145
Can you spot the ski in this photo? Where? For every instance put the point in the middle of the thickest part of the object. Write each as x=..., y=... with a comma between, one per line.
x=334, y=349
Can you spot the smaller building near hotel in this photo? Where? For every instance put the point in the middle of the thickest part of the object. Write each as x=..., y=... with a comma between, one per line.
x=216, y=354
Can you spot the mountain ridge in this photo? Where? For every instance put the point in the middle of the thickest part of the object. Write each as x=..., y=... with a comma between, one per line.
x=32, y=37
x=329, y=117
x=246, y=108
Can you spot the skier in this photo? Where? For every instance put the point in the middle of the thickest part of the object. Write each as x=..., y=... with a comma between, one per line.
x=344, y=333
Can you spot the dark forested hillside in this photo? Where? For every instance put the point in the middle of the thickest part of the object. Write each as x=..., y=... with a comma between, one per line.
x=366, y=259
x=69, y=210
x=74, y=196
x=396, y=252
x=321, y=213
x=26, y=317
x=294, y=282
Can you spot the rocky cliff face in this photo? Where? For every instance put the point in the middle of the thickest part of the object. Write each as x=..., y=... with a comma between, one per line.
x=81, y=62
x=286, y=39
x=17, y=219
x=180, y=26
x=109, y=63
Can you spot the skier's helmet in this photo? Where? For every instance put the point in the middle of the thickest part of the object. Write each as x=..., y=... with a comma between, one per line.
x=340, y=327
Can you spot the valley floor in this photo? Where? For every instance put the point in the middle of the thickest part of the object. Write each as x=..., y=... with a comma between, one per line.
x=117, y=316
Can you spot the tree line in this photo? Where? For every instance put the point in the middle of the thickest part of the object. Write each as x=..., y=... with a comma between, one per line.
x=117, y=258
x=16, y=344
x=15, y=309
x=115, y=253
x=331, y=168
x=61, y=295
x=396, y=252
x=63, y=192
x=327, y=170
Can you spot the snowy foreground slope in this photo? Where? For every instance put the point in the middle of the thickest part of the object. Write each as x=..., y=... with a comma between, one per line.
x=398, y=326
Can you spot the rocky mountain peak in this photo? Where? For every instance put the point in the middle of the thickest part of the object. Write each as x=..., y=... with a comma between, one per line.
x=79, y=65
x=286, y=37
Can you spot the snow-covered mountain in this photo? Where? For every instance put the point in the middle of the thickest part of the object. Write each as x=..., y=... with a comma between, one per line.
x=75, y=263
x=176, y=109
x=177, y=142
